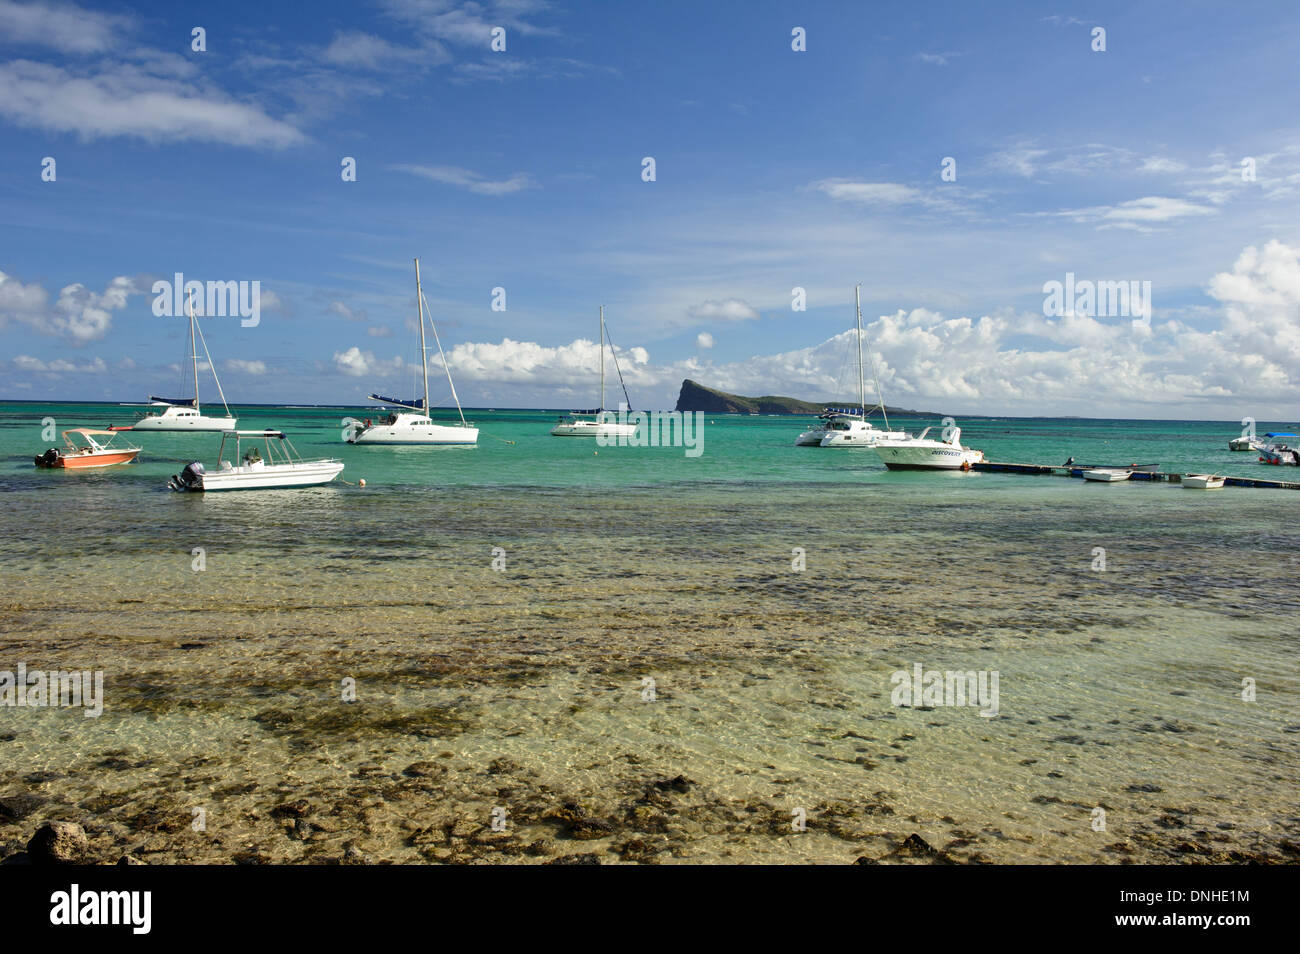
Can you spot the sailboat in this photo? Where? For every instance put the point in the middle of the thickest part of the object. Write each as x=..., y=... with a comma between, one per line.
x=410, y=423
x=598, y=422
x=186, y=414
x=849, y=427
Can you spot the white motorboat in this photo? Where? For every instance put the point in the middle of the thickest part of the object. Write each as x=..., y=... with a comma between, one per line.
x=926, y=453
x=597, y=422
x=186, y=414
x=281, y=466
x=849, y=427
x=1108, y=475
x=411, y=423
x=1279, y=448
x=1203, y=481
x=1243, y=444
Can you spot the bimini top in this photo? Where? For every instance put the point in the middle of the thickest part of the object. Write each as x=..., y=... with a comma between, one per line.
x=174, y=402
x=851, y=411
x=414, y=404
x=1282, y=434
x=279, y=434
x=88, y=430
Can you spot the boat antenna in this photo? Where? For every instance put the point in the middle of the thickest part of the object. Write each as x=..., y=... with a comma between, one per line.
x=445, y=366
x=211, y=366
x=424, y=356
x=614, y=351
x=872, y=358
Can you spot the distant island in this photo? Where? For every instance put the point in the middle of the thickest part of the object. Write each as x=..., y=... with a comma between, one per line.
x=696, y=397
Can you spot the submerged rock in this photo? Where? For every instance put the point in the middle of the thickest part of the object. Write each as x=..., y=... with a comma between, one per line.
x=18, y=807
x=58, y=843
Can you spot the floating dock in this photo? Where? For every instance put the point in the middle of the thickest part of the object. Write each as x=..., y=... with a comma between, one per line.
x=1061, y=470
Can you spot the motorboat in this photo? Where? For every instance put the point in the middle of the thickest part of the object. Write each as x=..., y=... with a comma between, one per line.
x=1107, y=475
x=1203, y=481
x=409, y=422
x=849, y=427
x=280, y=466
x=598, y=422
x=186, y=414
x=1277, y=449
x=927, y=453
x=84, y=451
x=1243, y=444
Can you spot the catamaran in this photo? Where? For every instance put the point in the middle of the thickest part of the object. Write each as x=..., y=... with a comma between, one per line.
x=411, y=423
x=186, y=414
x=849, y=427
x=282, y=466
x=598, y=422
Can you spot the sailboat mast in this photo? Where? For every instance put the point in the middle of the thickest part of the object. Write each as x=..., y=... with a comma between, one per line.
x=880, y=398
x=602, y=358
x=862, y=386
x=424, y=357
x=194, y=354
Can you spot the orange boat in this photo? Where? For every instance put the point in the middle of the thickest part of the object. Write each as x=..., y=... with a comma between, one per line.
x=84, y=451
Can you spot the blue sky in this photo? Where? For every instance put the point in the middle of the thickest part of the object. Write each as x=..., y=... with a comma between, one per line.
x=775, y=169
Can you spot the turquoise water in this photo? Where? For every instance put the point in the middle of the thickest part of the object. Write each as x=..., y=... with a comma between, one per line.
x=516, y=450
x=768, y=590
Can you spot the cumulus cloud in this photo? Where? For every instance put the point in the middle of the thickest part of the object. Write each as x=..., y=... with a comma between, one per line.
x=469, y=179
x=79, y=315
x=25, y=362
x=240, y=366
x=704, y=340
x=728, y=309
x=356, y=363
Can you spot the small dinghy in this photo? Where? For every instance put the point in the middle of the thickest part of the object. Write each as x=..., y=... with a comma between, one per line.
x=84, y=451
x=1203, y=482
x=1107, y=474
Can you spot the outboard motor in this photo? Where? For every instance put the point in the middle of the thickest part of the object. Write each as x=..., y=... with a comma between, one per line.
x=188, y=479
x=49, y=458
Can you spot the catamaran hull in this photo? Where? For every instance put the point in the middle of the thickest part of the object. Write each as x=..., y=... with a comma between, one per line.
x=183, y=424
x=436, y=434
x=864, y=439
x=811, y=438
x=283, y=475
x=592, y=429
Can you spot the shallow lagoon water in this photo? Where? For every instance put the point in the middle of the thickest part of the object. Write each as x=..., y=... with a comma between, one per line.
x=524, y=690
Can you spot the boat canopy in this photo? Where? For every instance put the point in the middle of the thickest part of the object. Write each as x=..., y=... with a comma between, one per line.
x=1281, y=434
x=852, y=411
x=414, y=404
x=88, y=430
x=254, y=433
x=174, y=402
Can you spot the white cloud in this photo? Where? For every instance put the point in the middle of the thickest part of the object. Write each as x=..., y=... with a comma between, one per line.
x=79, y=315
x=1161, y=164
x=1137, y=214
x=728, y=309
x=344, y=310
x=379, y=331
x=25, y=362
x=356, y=363
x=126, y=100
x=240, y=366
x=704, y=340
x=869, y=193
x=469, y=179
x=60, y=26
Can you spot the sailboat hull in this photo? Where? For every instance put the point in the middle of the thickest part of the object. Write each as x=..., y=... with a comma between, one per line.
x=198, y=423
x=426, y=434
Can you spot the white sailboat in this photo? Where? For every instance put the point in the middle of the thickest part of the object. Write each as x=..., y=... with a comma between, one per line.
x=182, y=414
x=598, y=422
x=849, y=427
x=410, y=423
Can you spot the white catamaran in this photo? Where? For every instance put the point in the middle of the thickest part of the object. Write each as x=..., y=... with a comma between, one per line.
x=849, y=427
x=411, y=424
x=182, y=414
x=598, y=422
